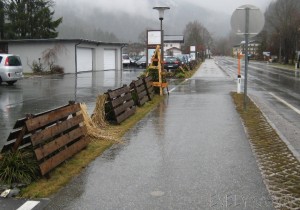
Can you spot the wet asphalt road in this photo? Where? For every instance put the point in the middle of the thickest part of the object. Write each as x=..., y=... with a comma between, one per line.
x=277, y=93
x=38, y=94
x=189, y=153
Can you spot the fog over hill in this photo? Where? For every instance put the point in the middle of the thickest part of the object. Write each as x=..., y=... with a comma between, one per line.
x=87, y=19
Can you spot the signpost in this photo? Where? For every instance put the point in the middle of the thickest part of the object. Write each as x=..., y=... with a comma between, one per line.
x=193, y=52
x=248, y=21
x=153, y=39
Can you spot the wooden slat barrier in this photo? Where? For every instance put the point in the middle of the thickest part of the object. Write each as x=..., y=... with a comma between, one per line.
x=54, y=136
x=57, y=136
x=139, y=92
x=119, y=105
x=142, y=90
x=17, y=138
x=149, y=87
x=20, y=138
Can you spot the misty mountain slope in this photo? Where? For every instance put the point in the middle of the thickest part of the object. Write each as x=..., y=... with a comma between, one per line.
x=218, y=24
x=93, y=22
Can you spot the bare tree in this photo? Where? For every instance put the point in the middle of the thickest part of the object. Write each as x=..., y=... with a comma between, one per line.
x=283, y=21
x=222, y=47
x=50, y=57
x=196, y=35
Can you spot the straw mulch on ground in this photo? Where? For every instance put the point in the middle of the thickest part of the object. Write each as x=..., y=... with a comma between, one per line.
x=96, y=123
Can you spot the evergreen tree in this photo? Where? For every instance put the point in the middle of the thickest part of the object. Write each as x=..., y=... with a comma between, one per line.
x=1, y=20
x=30, y=19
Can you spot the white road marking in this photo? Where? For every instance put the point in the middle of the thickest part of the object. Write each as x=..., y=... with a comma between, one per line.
x=285, y=103
x=28, y=205
x=170, y=91
x=174, y=88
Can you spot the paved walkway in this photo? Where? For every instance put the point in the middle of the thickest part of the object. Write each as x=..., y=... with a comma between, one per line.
x=189, y=153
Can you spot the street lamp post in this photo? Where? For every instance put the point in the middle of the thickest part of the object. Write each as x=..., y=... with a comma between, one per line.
x=161, y=11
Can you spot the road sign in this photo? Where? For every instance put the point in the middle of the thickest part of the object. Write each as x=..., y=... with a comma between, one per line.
x=256, y=20
x=247, y=20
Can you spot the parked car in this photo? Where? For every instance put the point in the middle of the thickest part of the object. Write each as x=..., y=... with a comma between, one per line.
x=11, y=69
x=132, y=61
x=171, y=63
x=142, y=62
x=183, y=59
x=125, y=60
x=188, y=56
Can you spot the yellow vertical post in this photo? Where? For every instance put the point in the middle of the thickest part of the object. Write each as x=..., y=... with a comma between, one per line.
x=159, y=73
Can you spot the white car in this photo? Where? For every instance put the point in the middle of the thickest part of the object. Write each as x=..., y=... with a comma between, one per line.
x=11, y=68
x=125, y=60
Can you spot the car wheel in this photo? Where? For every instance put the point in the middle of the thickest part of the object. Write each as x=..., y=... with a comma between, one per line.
x=11, y=82
x=0, y=80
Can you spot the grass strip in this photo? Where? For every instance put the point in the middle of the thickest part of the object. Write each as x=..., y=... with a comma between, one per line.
x=279, y=168
x=60, y=176
x=283, y=66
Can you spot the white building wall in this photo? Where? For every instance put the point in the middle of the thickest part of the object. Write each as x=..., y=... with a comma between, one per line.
x=99, y=58
x=118, y=56
x=171, y=45
x=32, y=51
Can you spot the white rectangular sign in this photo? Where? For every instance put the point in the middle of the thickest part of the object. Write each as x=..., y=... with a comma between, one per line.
x=193, y=56
x=154, y=37
x=192, y=48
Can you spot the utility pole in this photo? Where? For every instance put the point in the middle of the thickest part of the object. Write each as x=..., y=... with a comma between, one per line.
x=248, y=21
x=246, y=57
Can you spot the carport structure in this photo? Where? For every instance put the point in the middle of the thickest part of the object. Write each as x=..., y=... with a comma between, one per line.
x=74, y=55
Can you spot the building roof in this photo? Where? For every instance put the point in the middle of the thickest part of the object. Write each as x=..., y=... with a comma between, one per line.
x=174, y=38
x=250, y=42
x=79, y=41
x=174, y=48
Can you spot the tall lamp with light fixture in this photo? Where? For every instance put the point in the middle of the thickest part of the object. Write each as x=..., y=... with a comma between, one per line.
x=161, y=11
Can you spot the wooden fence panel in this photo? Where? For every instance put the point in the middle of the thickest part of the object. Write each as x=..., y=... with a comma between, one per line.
x=118, y=101
x=140, y=91
x=149, y=87
x=54, y=136
x=118, y=92
x=59, y=128
x=51, y=117
x=120, y=118
x=59, y=143
x=65, y=154
x=57, y=136
x=21, y=122
x=18, y=138
x=119, y=105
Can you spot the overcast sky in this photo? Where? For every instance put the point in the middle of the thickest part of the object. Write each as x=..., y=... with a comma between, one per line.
x=228, y=6
x=144, y=7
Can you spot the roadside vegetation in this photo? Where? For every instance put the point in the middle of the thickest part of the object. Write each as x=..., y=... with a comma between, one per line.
x=18, y=167
x=47, y=64
x=46, y=186
x=184, y=71
x=284, y=66
x=279, y=168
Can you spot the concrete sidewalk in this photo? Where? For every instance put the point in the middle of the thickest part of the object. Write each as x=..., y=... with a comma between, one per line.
x=189, y=153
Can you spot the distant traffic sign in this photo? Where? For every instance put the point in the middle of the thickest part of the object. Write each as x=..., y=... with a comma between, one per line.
x=256, y=20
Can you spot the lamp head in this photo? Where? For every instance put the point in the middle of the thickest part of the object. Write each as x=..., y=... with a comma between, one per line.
x=161, y=11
